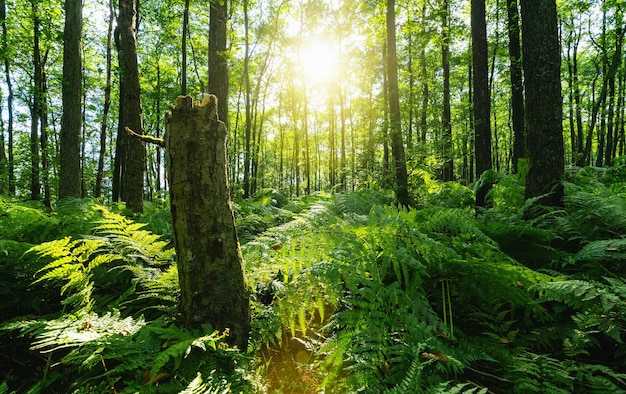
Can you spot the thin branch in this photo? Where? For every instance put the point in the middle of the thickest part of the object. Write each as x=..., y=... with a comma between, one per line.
x=146, y=138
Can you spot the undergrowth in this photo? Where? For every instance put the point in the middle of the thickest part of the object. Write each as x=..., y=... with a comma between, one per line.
x=350, y=294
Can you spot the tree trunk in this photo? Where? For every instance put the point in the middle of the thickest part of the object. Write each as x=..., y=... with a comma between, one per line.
x=70, y=172
x=131, y=153
x=35, y=185
x=517, y=85
x=107, y=105
x=397, y=146
x=542, y=74
x=218, y=63
x=9, y=85
x=210, y=265
x=247, y=153
x=482, y=110
x=448, y=163
x=183, y=68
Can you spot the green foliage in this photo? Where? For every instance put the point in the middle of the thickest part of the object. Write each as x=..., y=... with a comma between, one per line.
x=122, y=265
x=119, y=289
x=126, y=355
x=349, y=291
x=540, y=373
x=599, y=313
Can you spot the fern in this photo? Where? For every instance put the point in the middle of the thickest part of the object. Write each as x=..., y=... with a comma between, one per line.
x=128, y=238
x=599, y=309
x=73, y=262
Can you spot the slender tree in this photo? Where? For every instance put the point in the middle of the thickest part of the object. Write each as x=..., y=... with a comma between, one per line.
x=35, y=109
x=70, y=172
x=107, y=104
x=9, y=84
x=517, y=87
x=397, y=146
x=448, y=163
x=218, y=61
x=541, y=62
x=183, y=73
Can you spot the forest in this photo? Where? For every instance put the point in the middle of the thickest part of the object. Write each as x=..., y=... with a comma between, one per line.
x=376, y=196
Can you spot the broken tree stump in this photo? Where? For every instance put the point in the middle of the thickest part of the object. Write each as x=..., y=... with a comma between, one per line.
x=210, y=264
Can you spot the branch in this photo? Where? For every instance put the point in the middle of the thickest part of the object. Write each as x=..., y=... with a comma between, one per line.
x=146, y=138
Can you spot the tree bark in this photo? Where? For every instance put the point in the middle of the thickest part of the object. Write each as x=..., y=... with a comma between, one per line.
x=218, y=63
x=107, y=105
x=210, y=264
x=130, y=156
x=70, y=172
x=448, y=164
x=35, y=182
x=482, y=103
x=517, y=84
x=542, y=74
x=397, y=146
x=9, y=84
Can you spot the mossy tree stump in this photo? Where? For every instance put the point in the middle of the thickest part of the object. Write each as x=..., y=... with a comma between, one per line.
x=210, y=264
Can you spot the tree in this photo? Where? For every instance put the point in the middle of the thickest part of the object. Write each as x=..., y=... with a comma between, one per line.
x=218, y=62
x=482, y=109
x=397, y=146
x=541, y=62
x=10, y=166
x=107, y=104
x=517, y=86
x=130, y=154
x=70, y=171
x=448, y=163
x=213, y=288
x=36, y=106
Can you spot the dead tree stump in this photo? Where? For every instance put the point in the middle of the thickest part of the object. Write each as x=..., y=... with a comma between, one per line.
x=210, y=264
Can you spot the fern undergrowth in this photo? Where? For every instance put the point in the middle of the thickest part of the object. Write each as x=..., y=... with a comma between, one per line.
x=350, y=294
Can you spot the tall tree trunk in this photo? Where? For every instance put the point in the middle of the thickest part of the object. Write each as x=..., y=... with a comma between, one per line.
x=517, y=85
x=131, y=154
x=409, y=66
x=425, y=97
x=210, y=265
x=35, y=182
x=385, y=114
x=448, y=162
x=248, y=125
x=482, y=108
x=342, y=134
x=107, y=105
x=218, y=62
x=544, y=105
x=9, y=85
x=3, y=159
x=183, y=73
x=397, y=146
x=611, y=126
x=43, y=137
x=71, y=126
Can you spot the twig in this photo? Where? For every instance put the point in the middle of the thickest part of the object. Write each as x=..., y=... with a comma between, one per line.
x=146, y=138
x=489, y=375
